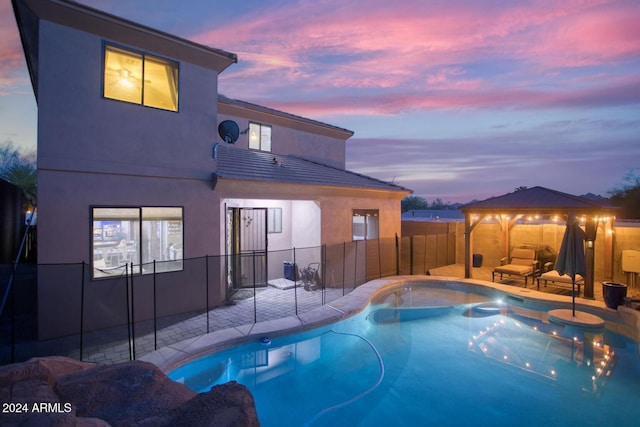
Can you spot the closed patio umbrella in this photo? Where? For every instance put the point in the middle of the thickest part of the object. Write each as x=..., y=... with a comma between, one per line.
x=571, y=260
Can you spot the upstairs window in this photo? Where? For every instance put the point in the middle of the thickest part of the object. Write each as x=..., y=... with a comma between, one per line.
x=365, y=224
x=140, y=79
x=259, y=137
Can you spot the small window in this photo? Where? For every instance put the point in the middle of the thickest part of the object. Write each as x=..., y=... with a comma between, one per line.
x=138, y=236
x=259, y=137
x=365, y=224
x=140, y=79
x=274, y=220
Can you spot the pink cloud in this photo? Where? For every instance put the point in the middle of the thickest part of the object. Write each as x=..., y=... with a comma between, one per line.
x=424, y=47
x=591, y=36
x=12, y=66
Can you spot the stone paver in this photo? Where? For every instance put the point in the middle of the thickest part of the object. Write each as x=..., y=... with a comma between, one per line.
x=113, y=345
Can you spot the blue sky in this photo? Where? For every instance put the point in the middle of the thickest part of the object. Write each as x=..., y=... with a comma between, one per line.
x=457, y=100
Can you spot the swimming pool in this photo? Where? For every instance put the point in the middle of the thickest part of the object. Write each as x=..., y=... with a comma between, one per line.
x=434, y=356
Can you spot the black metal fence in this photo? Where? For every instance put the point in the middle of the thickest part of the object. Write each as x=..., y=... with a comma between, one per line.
x=130, y=314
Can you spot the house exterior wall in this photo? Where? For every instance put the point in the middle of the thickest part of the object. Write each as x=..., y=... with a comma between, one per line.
x=100, y=152
x=97, y=152
x=289, y=137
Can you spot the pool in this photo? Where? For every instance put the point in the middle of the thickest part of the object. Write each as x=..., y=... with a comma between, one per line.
x=434, y=355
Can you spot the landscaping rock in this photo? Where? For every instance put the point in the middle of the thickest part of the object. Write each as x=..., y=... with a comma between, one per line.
x=122, y=394
x=61, y=392
x=229, y=404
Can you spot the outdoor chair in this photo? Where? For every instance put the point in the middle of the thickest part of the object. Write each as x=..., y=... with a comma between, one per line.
x=523, y=263
x=554, y=277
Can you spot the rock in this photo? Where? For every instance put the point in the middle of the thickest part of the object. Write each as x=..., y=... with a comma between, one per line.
x=47, y=369
x=122, y=394
x=62, y=392
x=229, y=405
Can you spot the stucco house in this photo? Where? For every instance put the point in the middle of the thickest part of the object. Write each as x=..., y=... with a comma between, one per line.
x=133, y=176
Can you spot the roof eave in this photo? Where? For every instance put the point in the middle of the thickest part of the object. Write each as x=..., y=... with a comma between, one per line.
x=84, y=18
x=399, y=191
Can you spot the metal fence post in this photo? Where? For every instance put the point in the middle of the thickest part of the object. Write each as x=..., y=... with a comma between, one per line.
x=126, y=272
x=133, y=318
x=255, y=302
x=295, y=280
x=344, y=264
x=155, y=309
x=206, y=284
x=324, y=273
x=81, y=311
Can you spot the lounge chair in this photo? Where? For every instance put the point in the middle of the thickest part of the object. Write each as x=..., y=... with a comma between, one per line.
x=554, y=277
x=523, y=263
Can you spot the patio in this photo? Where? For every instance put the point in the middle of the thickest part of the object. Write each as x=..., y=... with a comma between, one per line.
x=112, y=345
x=484, y=273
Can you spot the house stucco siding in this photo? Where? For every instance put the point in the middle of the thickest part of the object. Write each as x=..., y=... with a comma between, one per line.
x=99, y=152
x=287, y=139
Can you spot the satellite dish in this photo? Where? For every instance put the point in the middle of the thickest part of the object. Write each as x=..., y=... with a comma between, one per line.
x=229, y=131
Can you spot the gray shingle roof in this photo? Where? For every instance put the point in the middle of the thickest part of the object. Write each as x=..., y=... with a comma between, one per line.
x=537, y=199
x=252, y=165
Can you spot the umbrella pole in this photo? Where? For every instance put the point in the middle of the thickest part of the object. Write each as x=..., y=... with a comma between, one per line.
x=573, y=295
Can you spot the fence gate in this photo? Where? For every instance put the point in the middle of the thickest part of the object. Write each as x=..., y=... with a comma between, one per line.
x=247, y=247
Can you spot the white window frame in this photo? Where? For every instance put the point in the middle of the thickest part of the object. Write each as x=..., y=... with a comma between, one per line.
x=260, y=136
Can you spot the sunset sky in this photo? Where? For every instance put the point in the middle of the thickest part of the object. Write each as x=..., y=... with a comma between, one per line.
x=457, y=100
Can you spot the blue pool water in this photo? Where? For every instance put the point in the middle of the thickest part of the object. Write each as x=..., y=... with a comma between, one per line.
x=426, y=356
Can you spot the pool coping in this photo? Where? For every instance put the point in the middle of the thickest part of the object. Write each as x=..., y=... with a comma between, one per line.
x=624, y=320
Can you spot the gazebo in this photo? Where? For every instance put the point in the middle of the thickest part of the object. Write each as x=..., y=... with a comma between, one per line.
x=510, y=208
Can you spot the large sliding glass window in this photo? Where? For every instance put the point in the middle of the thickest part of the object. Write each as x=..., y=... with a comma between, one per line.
x=140, y=78
x=365, y=224
x=259, y=137
x=133, y=238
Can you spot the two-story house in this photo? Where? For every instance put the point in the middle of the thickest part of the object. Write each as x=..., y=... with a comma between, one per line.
x=134, y=178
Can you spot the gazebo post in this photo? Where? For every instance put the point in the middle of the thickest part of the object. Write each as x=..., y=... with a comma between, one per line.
x=468, y=245
x=608, y=249
x=591, y=228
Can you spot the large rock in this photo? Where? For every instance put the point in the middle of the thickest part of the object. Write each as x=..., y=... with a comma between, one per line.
x=46, y=369
x=229, y=404
x=63, y=392
x=122, y=394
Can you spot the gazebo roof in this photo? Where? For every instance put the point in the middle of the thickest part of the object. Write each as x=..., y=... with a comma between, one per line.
x=538, y=200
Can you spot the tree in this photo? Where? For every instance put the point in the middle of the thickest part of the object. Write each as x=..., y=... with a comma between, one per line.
x=19, y=169
x=627, y=196
x=413, y=203
x=420, y=203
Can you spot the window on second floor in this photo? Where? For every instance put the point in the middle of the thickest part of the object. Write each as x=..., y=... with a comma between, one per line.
x=140, y=78
x=259, y=137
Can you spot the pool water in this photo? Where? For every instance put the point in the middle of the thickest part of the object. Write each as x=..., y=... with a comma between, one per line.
x=434, y=357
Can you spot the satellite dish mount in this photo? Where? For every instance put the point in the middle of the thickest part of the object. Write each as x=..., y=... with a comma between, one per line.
x=229, y=131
